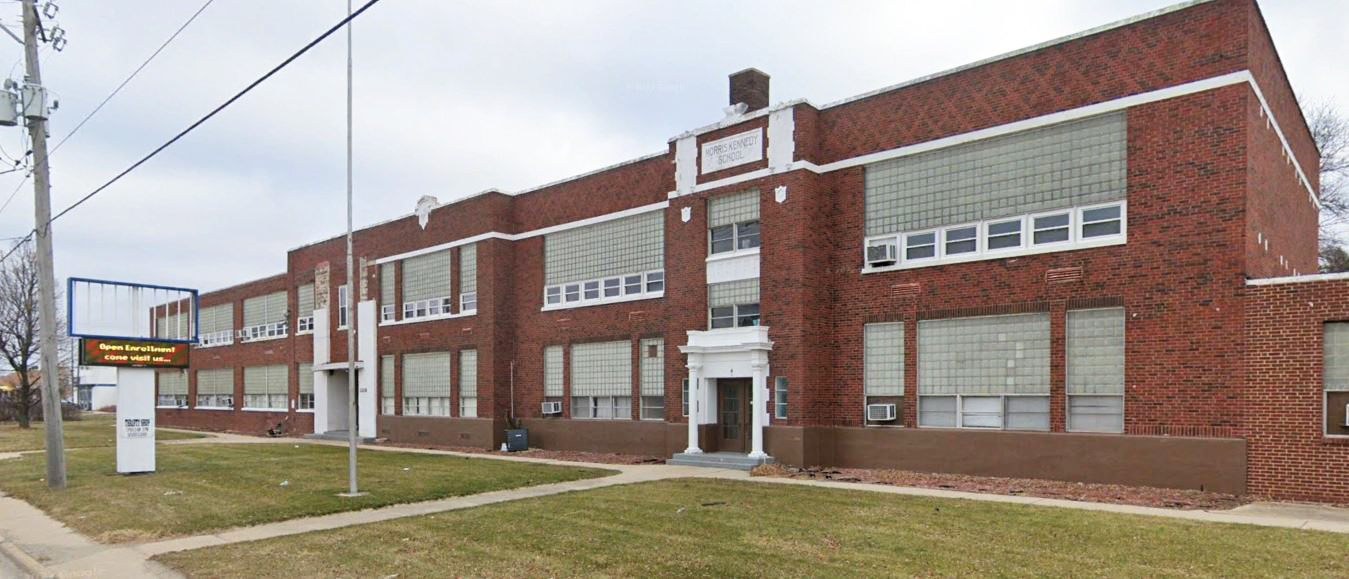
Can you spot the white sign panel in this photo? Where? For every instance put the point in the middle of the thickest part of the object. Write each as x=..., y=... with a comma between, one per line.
x=135, y=420
x=732, y=151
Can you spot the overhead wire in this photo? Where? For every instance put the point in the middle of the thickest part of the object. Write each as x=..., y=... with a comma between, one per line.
x=201, y=121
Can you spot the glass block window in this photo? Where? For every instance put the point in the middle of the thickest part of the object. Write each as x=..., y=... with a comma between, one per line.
x=386, y=384
x=172, y=388
x=984, y=355
x=267, y=309
x=173, y=382
x=745, y=291
x=386, y=284
x=552, y=371
x=266, y=387
x=215, y=388
x=1095, y=351
x=468, y=269
x=614, y=248
x=1070, y=164
x=426, y=276
x=883, y=359
x=1335, y=376
x=468, y=383
x=218, y=318
x=426, y=374
x=306, y=380
x=732, y=208
x=652, y=353
x=172, y=327
x=305, y=298
x=601, y=369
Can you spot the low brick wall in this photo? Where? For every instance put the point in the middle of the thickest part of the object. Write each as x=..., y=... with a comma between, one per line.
x=248, y=422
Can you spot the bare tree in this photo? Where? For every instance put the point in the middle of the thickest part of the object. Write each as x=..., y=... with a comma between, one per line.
x=19, y=324
x=1330, y=130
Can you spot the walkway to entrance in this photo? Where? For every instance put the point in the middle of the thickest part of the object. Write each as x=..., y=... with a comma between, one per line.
x=25, y=530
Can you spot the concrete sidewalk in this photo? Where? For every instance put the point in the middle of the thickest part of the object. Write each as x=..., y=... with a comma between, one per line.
x=54, y=550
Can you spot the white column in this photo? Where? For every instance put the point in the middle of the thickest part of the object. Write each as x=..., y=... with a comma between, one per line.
x=757, y=400
x=695, y=384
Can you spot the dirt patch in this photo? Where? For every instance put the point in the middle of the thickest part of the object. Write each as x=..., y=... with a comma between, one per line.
x=1096, y=493
x=564, y=455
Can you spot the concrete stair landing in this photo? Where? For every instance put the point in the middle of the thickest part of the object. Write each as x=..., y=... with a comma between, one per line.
x=338, y=435
x=734, y=460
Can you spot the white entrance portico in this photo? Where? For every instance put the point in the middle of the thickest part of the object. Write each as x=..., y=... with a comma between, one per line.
x=716, y=360
x=331, y=401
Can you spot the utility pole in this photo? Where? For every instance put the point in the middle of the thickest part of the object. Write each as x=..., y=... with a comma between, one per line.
x=36, y=115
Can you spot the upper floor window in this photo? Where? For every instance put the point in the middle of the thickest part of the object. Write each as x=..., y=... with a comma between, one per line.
x=217, y=325
x=735, y=236
x=342, y=307
x=733, y=304
x=612, y=261
x=733, y=222
x=265, y=317
x=1023, y=192
x=426, y=285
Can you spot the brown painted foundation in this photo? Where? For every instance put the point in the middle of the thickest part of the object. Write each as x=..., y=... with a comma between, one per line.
x=484, y=433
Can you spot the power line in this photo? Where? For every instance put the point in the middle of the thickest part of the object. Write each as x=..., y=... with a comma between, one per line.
x=100, y=106
x=133, y=75
x=202, y=120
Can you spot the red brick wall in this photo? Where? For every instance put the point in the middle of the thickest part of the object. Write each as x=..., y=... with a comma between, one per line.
x=1200, y=42
x=1290, y=457
x=1205, y=175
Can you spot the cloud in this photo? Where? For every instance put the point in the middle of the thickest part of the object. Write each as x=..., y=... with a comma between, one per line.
x=453, y=98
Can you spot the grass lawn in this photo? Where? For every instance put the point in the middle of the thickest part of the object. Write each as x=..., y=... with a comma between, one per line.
x=93, y=430
x=701, y=527
x=206, y=487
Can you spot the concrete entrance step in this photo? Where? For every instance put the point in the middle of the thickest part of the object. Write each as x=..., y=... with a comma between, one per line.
x=338, y=435
x=733, y=460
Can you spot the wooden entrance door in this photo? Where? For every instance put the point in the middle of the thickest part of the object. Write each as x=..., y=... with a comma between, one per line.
x=732, y=415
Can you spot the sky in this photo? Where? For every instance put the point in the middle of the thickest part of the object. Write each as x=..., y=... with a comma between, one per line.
x=452, y=98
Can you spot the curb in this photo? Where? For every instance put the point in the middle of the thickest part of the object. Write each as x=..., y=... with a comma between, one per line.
x=24, y=560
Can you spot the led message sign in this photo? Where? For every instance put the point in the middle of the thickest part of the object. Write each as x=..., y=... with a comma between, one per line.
x=132, y=353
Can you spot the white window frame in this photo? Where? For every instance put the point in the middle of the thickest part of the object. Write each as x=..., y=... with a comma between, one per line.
x=386, y=313
x=781, y=398
x=215, y=339
x=935, y=245
x=643, y=407
x=1068, y=413
x=567, y=299
x=468, y=302
x=343, y=312
x=175, y=401
x=426, y=406
x=684, y=398
x=736, y=236
x=1071, y=227
x=304, y=325
x=300, y=402
x=983, y=253
x=987, y=237
x=594, y=404
x=735, y=316
x=1099, y=240
x=262, y=332
x=250, y=398
x=1002, y=411
x=945, y=240
x=217, y=402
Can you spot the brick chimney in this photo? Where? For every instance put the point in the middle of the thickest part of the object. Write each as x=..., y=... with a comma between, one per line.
x=750, y=86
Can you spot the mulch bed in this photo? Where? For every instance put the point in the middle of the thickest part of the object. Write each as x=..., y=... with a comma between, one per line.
x=1097, y=493
x=544, y=454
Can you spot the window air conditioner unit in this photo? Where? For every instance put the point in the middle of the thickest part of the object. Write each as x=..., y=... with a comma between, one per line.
x=881, y=254
x=880, y=412
x=552, y=408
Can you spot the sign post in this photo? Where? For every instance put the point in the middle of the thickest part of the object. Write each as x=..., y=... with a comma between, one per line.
x=135, y=361
x=137, y=329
